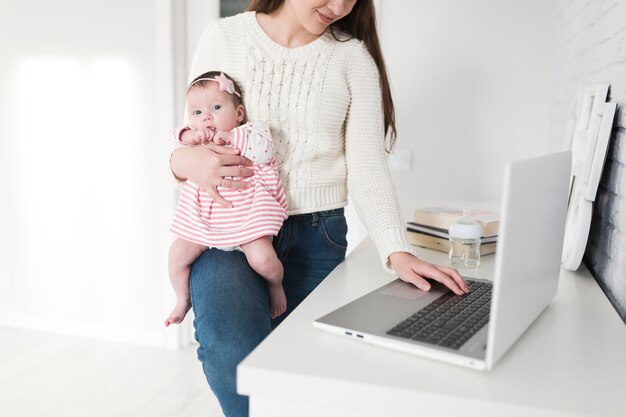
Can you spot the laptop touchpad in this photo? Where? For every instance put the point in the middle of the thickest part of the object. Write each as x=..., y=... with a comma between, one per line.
x=404, y=290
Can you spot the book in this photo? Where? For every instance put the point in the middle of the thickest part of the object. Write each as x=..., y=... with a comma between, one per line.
x=441, y=244
x=437, y=232
x=442, y=217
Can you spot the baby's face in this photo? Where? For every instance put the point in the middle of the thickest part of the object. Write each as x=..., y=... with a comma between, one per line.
x=208, y=107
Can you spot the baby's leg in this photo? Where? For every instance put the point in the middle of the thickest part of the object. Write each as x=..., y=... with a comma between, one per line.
x=182, y=255
x=262, y=258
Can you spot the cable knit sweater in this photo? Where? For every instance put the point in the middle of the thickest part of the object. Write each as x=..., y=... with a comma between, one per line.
x=323, y=104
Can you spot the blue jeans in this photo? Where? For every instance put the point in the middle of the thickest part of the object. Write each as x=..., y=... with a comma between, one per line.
x=230, y=301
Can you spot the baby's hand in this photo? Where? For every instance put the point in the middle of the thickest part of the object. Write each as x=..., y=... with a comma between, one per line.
x=201, y=136
x=221, y=137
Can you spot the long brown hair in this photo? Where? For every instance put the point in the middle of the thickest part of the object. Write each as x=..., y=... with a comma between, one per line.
x=359, y=24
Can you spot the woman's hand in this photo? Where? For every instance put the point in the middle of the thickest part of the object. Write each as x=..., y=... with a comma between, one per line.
x=208, y=165
x=413, y=270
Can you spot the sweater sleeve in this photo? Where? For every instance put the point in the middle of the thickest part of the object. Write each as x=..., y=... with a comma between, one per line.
x=369, y=180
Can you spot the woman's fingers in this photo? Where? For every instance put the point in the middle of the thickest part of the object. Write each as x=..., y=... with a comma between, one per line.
x=230, y=171
x=211, y=166
x=224, y=150
x=233, y=160
x=218, y=198
x=430, y=271
x=237, y=185
x=454, y=274
x=226, y=156
x=417, y=280
x=415, y=271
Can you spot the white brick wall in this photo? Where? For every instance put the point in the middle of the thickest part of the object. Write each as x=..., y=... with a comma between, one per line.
x=591, y=48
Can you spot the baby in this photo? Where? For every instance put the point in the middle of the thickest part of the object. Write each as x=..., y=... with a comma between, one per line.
x=216, y=113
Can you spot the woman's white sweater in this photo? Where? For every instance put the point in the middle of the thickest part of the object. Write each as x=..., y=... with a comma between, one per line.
x=322, y=102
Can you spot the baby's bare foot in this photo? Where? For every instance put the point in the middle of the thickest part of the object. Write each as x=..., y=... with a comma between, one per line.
x=278, y=300
x=178, y=313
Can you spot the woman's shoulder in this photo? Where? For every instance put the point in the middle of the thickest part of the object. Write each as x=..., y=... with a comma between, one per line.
x=351, y=48
x=344, y=40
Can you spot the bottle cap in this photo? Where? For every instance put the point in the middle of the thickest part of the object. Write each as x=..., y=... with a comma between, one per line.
x=466, y=229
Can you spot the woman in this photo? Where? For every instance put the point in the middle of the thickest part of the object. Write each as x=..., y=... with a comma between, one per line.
x=312, y=70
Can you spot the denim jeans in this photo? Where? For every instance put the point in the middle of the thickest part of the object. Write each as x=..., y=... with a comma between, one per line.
x=230, y=301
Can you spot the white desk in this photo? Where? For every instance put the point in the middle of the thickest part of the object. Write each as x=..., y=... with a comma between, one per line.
x=570, y=362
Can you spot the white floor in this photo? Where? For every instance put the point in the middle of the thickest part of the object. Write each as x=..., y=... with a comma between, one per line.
x=61, y=376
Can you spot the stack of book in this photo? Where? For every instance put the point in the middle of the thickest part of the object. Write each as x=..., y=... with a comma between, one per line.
x=430, y=226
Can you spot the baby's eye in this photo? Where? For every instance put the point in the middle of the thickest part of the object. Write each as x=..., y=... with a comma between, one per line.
x=217, y=107
x=197, y=112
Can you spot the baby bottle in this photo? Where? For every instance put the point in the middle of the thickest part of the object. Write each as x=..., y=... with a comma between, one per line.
x=465, y=237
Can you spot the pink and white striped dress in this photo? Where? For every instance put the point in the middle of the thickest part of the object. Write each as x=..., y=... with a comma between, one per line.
x=257, y=211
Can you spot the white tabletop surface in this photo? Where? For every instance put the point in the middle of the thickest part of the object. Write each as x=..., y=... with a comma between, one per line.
x=570, y=362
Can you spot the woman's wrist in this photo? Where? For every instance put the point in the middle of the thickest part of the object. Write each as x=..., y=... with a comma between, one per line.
x=175, y=165
x=396, y=258
x=400, y=254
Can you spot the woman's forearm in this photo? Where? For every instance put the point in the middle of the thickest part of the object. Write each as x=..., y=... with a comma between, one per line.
x=178, y=164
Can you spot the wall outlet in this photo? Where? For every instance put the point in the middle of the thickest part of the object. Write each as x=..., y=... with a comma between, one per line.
x=400, y=160
x=6, y=282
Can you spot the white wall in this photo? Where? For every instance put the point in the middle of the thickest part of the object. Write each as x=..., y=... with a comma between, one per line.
x=472, y=82
x=85, y=116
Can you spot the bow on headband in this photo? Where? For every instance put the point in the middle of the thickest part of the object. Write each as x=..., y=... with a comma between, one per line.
x=224, y=83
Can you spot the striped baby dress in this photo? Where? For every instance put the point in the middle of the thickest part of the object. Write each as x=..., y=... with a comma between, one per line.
x=257, y=211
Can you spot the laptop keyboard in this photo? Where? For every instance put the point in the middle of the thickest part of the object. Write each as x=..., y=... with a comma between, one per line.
x=450, y=320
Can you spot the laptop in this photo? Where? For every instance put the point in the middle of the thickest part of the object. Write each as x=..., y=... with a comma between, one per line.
x=477, y=329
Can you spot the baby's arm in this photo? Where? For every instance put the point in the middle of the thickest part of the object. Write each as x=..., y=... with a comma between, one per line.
x=191, y=137
x=222, y=137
